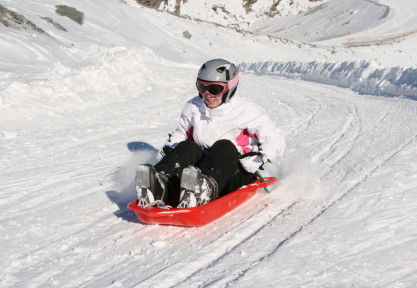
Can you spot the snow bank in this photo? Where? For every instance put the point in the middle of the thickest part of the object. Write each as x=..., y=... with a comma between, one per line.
x=118, y=74
x=365, y=77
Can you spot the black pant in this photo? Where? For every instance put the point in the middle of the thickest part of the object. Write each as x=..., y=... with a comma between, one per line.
x=221, y=166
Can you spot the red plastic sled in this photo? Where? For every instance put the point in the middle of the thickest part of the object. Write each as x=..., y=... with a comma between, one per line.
x=200, y=215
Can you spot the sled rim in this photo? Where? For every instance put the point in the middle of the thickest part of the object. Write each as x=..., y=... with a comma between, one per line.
x=196, y=216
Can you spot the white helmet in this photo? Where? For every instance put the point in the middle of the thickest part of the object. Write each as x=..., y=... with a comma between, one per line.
x=223, y=73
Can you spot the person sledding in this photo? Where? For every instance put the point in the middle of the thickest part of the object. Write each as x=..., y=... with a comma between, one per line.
x=220, y=142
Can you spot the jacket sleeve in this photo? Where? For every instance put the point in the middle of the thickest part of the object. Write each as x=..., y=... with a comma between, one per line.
x=270, y=136
x=183, y=130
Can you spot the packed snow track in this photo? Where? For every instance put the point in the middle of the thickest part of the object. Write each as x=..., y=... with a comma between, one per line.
x=345, y=194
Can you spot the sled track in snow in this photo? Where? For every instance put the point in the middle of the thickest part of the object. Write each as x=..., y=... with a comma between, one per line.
x=344, y=137
x=333, y=145
x=333, y=135
x=215, y=250
x=283, y=212
x=292, y=235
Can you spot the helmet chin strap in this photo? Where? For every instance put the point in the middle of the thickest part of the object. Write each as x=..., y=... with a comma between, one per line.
x=225, y=96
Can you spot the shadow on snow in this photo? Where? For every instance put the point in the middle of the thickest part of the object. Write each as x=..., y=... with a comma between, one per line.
x=142, y=153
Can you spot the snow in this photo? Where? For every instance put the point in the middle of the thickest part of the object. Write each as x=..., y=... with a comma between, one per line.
x=361, y=76
x=330, y=18
x=234, y=13
x=80, y=110
x=362, y=18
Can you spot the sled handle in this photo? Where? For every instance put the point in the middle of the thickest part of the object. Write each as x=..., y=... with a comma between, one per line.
x=263, y=181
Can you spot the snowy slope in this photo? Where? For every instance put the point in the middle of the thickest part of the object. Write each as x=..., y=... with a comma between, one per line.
x=78, y=113
x=237, y=13
x=330, y=18
x=363, y=18
x=382, y=68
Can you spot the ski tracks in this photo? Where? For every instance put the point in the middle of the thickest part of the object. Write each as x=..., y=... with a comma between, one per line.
x=372, y=132
x=343, y=137
x=335, y=134
x=212, y=253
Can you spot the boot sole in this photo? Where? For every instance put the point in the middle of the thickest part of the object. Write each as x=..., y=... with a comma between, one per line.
x=190, y=179
x=145, y=176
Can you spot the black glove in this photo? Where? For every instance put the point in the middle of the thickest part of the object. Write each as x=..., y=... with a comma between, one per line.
x=165, y=150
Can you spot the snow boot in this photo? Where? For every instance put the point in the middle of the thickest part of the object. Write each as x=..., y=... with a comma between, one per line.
x=150, y=185
x=195, y=190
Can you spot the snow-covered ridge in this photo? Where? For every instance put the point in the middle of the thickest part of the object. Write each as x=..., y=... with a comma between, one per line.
x=361, y=18
x=367, y=77
x=238, y=14
x=330, y=18
x=12, y=19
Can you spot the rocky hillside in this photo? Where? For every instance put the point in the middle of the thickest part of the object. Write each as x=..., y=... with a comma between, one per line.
x=11, y=19
x=236, y=13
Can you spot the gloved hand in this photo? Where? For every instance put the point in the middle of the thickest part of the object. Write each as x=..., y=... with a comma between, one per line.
x=165, y=150
x=253, y=161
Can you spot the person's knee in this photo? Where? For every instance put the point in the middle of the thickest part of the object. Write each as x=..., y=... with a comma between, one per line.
x=188, y=144
x=224, y=143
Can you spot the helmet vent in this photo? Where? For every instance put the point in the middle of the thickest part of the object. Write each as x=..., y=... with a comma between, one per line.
x=203, y=67
x=221, y=69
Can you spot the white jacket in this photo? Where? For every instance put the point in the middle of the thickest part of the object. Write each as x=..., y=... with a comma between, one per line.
x=240, y=121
